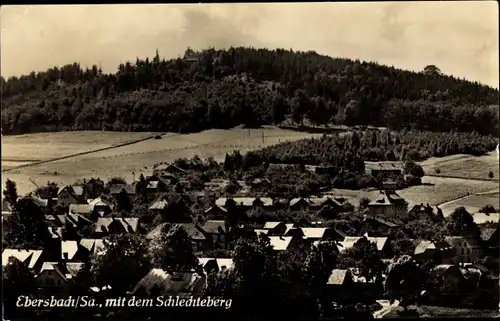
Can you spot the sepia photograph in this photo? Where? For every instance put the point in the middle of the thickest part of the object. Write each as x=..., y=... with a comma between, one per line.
x=250, y=161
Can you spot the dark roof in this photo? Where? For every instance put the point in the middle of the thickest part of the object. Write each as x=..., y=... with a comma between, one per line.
x=193, y=232
x=382, y=221
x=129, y=224
x=214, y=227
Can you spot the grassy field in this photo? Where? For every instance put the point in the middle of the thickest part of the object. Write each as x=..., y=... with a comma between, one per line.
x=435, y=191
x=426, y=311
x=464, y=166
x=36, y=147
x=138, y=158
x=472, y=203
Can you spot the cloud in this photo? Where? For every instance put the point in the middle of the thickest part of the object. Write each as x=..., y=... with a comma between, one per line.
x=461, y=38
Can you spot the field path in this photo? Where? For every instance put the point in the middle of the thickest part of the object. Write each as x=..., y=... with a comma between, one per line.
x=130, y=142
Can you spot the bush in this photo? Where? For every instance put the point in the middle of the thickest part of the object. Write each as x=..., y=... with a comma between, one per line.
x=437, y=170
x=490, y=174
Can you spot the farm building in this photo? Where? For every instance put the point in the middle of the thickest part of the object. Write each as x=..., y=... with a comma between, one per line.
x=388, y=205
x=384, y=170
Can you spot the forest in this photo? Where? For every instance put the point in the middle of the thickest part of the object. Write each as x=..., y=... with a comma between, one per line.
x=225, y=88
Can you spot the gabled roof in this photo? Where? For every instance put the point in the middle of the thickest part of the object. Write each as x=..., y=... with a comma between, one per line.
x=351, y=240
x=455, y=240
x=271, y=225
x=338, y=276
x=73, y=219
x=258, y=181
x=222, y=263
x=214, y=227
x=92, y=245
x=74, y=190
x=100, y=203
x=425, y=245
x=70, y=247
x=129, y=224
x=193, y=232
x=313, y=232
x=159, y=205
x=29, y=257
x=320, y=201
x=216, y=207
x=83, y=209
x=386, y=198
x=55, y=232
x=174, y=283
x=280, y=243
x=385, y=165
x=298, y=199
x=260, y=231
x=482, y=218
x=381, y=221
x=168, y=168
x=50, y=266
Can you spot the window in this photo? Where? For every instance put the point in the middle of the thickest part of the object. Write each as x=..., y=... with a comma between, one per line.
x=58, y=282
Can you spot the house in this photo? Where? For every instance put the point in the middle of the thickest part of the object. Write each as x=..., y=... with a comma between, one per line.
x=382, y=244
x=244, y=202
x=388, y=205
x=32, y=258
x=94, y=186
x=216, y=213
x=339, y=286
x=100, y=207
x=312, y=234
x=198, y=239
x=80, y=209
x=157, y=184
x=483, y=218
x=317, y=203
x=159, y=206
x=56, y=233
x=465, y=249
x=171, y=283
x=216, y=264
x=377, y=226
x=57, y=276
x=164, y=170
x=299, y=204
x=91, y=246
x=111, y=225
x=6, y=208
x=281, y=243
x=216, y=232
x=72, y=194
x=384, y=170
x=437, y=252
x=421, y=211
x=116, y=189
x=76, y=221
x=277, y=228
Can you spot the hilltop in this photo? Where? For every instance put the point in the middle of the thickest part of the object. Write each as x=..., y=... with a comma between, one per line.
x=225, y=88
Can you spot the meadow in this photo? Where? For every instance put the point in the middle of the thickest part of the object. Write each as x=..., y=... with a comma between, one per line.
x=434, y=191
x=130, y=161
x=464, y=166
x=135, y=158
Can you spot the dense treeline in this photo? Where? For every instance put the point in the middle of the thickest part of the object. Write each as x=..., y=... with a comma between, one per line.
x=225, y=88
x=336, y=150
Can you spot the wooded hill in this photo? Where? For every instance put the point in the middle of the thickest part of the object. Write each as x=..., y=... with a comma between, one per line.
x=226, y=88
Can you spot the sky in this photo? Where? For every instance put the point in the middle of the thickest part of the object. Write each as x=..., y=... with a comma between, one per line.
x=460, y=38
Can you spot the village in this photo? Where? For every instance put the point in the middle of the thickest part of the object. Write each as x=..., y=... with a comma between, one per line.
x=80, y=217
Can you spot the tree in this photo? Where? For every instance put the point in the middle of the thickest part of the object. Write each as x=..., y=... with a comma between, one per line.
x=366, y=258
x=432, y=70
x=414, y=169
x=17, y=280
x=490, y=174
x=124, y=203
x=26, y=227
x=121, y=263
x=404, y=281
x=172, y=249
x=10, y=192
x=48, y=191
x=117, y=181
x=461, y=223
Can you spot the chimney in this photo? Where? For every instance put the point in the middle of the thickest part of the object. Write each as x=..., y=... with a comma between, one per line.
x=65, y=257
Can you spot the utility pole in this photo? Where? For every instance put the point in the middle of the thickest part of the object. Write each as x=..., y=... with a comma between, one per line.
x=262, y=137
